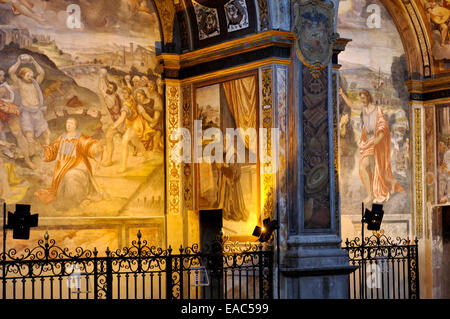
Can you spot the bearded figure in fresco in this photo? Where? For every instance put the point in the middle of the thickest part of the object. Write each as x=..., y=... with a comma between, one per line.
x=73, y=182
x=113, y=103
x=375, y=149
x=30, y=101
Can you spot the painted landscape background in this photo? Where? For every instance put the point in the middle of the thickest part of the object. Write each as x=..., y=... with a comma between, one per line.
x=114, y=41
x=374, y=60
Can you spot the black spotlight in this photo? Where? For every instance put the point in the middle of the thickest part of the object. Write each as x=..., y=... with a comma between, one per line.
x=21, y=221
x=266, y=231
x=374, y=217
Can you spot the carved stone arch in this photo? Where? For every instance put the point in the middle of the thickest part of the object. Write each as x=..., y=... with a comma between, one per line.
x=185, y=27
x=165, y=10
x=175, y=27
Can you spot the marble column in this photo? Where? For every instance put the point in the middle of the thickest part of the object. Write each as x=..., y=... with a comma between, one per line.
x=313, y=264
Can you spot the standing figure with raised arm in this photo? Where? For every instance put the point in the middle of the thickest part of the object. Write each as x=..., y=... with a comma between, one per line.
x=30, y=100
x=375, y=149
x=113, y=103
x=138, y=131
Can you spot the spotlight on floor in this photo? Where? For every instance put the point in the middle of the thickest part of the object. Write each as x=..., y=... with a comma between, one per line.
x=264, y=233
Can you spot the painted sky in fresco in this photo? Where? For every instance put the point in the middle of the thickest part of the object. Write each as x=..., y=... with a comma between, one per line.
x=374, y=47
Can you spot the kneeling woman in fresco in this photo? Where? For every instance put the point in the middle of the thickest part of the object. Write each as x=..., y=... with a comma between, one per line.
x=375, y=149
x=73, y=183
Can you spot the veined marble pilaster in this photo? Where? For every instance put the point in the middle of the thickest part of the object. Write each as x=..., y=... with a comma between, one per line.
x=281, y=110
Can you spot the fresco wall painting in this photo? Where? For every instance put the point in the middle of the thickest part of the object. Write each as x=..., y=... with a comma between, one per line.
x=82, y=111
x=230, y=186
x=374, y=130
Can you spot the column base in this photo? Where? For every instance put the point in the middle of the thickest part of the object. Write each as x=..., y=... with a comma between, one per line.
x=315, y=267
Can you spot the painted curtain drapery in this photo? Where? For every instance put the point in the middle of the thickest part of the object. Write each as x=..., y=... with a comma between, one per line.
x=241, y=97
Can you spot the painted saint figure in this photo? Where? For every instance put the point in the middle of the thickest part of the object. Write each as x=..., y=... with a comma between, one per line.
x=73, y=182
x=375, y=149
x=230, y=196
x=30, y=100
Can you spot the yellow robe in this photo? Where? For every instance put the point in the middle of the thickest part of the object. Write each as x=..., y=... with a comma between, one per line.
x=69, y=153
x=137, y=122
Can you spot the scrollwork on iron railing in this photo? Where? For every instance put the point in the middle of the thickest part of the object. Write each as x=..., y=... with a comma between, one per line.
x=139, y=248
x=47, y=261
x=378, y=245
x=388, y=257
x=46, y=250
x=377, y=239
x=240, y=248
x=222, y=244
x=140, y=257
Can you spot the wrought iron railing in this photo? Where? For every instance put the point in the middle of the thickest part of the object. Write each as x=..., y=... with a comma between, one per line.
x=387, y=268
x=232, y=271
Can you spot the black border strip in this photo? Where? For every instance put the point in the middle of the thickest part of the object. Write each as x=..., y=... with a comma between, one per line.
x=428, y=96
x=232, y=61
